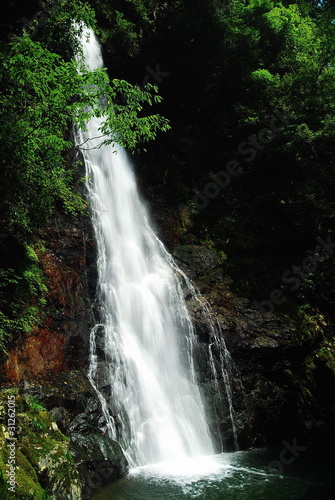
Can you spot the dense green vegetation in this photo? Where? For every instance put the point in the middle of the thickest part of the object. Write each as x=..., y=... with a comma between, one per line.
x=42, y=94
x=248, y=87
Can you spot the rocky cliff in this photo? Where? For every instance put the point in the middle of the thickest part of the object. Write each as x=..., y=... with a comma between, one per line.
x=282, y=368
x=279, y=376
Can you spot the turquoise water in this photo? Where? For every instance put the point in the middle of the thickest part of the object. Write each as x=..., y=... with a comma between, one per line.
x=242, y=475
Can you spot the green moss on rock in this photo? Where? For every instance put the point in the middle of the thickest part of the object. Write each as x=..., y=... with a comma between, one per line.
x=44, y=465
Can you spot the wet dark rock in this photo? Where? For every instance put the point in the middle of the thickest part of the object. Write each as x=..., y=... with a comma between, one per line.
x=102, y=379
x=69, y=390
x=279, y=378
x=90, y=420
x=98, y=460
x=196, y=260
x=100, y=342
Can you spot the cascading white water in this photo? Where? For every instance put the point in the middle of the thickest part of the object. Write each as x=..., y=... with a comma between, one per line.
x=146, y=334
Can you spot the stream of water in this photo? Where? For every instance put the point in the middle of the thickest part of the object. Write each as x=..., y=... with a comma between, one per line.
x=145, y=331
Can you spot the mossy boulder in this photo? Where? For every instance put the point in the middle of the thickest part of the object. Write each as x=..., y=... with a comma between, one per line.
x=44, y=464
x=76, y=409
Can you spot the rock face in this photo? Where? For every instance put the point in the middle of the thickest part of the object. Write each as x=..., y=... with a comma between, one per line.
x=60, y=343
x=280, y=371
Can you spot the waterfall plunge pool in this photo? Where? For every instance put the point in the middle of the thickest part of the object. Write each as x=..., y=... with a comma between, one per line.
x=243, y=475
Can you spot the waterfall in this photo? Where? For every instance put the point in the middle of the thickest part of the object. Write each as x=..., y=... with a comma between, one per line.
x=147, y=380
